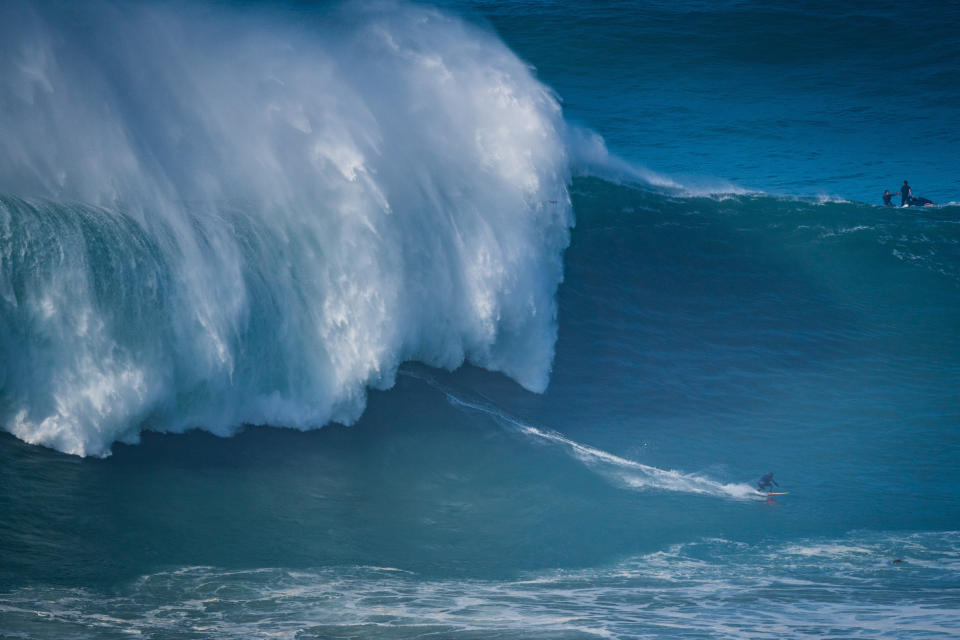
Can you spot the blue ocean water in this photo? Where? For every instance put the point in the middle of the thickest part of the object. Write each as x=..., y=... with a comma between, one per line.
x=478, y=320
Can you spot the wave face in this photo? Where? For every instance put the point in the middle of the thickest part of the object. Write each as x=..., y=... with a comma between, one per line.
x=214, y=218
x=621, y=471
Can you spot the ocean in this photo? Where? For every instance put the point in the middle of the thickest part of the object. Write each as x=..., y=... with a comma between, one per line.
x=479, y=320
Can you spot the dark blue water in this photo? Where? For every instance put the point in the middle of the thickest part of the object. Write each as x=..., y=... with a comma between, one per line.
x=810, y=98
x=478, y=321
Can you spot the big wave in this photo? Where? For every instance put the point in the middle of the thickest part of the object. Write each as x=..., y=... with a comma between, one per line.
x=213, y=218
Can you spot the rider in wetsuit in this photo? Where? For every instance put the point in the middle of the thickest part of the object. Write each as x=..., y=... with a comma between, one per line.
x=905, y=193
x=886, y=198
x=767, y=482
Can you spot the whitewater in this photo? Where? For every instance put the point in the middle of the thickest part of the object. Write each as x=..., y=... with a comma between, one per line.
x=225, y=224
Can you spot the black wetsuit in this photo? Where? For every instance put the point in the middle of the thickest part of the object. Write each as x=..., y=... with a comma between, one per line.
x=886, y=199
x=904, y=194
x=766, y=482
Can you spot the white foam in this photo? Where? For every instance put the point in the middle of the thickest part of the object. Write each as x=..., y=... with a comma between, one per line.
x=591, y=157
x=288, y=213
x=712, y=588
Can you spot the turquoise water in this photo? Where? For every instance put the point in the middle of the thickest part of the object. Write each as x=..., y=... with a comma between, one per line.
x=478, y=321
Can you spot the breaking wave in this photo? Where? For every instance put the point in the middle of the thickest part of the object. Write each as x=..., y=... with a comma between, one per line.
x=213, y=218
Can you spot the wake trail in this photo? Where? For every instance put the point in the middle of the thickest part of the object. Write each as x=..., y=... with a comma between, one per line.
x=622, y=471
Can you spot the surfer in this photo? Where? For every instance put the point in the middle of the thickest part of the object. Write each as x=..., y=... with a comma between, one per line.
x=886, y=198
x=767, y=482
x=905, y=194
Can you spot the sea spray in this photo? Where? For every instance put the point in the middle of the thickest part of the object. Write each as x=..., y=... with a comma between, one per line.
x=214, y=218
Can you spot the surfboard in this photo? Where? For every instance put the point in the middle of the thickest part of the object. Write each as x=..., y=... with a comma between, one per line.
x=778, y=493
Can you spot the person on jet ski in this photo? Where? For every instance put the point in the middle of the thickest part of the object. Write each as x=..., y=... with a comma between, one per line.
x=905, y=194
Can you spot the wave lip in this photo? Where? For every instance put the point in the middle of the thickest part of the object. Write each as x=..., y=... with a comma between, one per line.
x=275, y=216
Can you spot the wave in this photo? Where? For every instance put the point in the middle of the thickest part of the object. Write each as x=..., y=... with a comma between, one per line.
x=214, y=217
x=223, y=217
x=623, y=471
